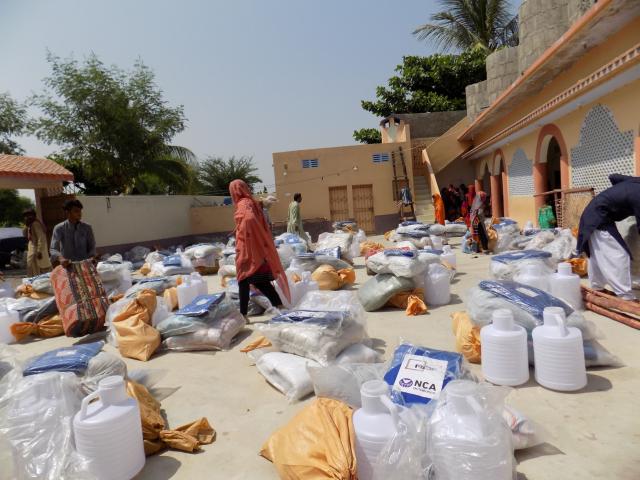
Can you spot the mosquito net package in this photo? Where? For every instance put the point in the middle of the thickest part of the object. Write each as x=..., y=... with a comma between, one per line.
x=506, y=265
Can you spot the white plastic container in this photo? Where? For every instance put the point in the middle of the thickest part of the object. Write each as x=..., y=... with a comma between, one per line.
x=529, y=225
x=465, y=444
x=448, y=256
x=108, y=432
x=437, y=288
x=436, y=242
x=532, y=276
x=186, y=292
x=566, y=285
x=505, y=359
x=200, y=283
x=558, y=353
x=374, y=425
x=5, y=290
x=7, y=318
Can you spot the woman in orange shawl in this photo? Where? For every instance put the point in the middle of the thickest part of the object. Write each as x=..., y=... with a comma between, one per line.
x=438, y=206
x=257, y=261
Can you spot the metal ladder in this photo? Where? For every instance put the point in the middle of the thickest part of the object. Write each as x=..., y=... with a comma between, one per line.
x=404, y=215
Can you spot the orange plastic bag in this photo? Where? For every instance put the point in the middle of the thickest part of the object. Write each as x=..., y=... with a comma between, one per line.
x=28, y=291
x=318, y=443
x=136, y=337
x=492, y=237
x=369, y=245
x=155, y=434
x=347, y=276
x=412, y=302
x=467, y=336
x=388, y=234
x=260, y=342
x=45, y=328
x=579, y=265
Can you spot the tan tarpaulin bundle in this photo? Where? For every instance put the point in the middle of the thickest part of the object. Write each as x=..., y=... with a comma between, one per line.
x=328, y=278
x=136, y=337
x=467, y=336
x=318, y=443
x=46, y=328
x=187, y=438
x=171, y=298
x=412, y=302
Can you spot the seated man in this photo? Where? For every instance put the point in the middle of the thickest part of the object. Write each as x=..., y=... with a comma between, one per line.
x=598, y=236
x=72, y=240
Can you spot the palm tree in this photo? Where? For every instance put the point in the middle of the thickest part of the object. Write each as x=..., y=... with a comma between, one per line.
x=217, y=173
x=463, y=24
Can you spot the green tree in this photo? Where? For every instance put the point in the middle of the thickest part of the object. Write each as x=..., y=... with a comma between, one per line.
x=114, y=128
x=435, y=83
x=11, y=207
x=367, y=135
x=464, y=24
x=13, y=120
x=217, y=173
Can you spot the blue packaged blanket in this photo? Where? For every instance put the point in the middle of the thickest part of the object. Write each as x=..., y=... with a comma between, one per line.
x=510, y=257
x=329, y=252
x=172, y=261
x=433, y=251
x=68, y=359
x=418, y=374
x=530, y=299
x=201, y=305
x=397, y=252
x=332, y=320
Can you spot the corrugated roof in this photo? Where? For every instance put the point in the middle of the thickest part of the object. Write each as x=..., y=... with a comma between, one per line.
x=32, y=167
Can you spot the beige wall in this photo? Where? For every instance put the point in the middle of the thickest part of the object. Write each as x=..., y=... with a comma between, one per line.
x=623, y=103
x=336, y=168
x=142, y=218
x=211, y=219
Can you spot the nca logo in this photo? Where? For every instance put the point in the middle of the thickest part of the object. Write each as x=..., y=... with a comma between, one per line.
x=406, y=382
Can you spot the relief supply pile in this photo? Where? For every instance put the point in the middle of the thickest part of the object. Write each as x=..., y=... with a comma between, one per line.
x=325, y=328
x=527, y=305
x=422, y=235
x=404, y=272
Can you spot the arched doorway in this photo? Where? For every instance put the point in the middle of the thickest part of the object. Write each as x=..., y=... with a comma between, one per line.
x=497, y=192
x=551, y=170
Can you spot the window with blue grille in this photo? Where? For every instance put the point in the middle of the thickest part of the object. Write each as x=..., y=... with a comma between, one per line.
x=380, y=157
x=310, y=163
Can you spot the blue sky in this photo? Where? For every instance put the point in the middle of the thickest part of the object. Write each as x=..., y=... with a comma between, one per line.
x=254, y=76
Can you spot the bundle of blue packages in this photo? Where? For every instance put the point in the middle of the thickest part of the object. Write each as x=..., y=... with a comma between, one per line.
x=201, y=305
x=68, y=359
x=291, y=239
x=409, y=223
x=329, y=252
x=332, y=320
x=418, y=374
x=510, y=257
x=397, y=252
x=530, y=299
x=172, y=261
x=416, y=234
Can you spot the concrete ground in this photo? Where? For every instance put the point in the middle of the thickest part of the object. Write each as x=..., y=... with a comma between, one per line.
x=593, y=433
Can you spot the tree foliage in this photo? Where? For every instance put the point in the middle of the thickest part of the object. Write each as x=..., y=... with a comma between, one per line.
x=367, y=135
x=464, y=24
x=11, y=207
x=216, y=173
x=113, y=128
x=435, y=83
x=13, y=120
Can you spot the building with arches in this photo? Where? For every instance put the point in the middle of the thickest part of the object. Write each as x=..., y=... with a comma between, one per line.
x=559, y=111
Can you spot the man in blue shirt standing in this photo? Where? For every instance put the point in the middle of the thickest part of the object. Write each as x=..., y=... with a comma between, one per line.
x=72, y=240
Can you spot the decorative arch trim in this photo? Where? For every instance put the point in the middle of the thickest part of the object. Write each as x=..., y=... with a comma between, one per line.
x=498, y=156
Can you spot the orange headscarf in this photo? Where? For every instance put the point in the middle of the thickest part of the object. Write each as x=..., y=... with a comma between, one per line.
x=438, y=206
x=254, y=244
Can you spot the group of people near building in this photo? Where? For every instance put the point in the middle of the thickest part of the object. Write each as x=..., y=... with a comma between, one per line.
x=455, y=203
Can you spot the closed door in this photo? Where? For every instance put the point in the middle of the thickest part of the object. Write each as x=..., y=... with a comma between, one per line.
x=363, y=207
x=338, y=203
